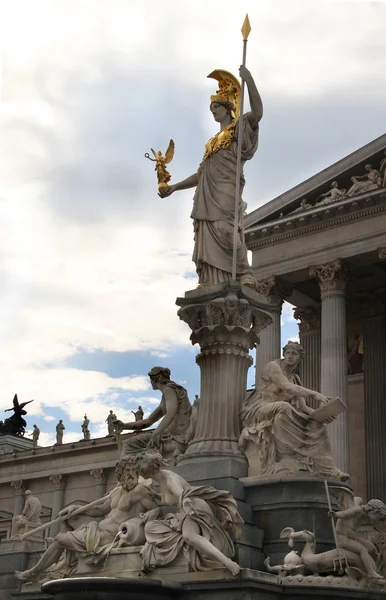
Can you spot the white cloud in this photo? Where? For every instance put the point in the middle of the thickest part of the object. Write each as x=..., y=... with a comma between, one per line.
x=287, y=315
x=91, y=258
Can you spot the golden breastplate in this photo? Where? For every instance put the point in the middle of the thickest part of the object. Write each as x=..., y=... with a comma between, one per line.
x=222, y=139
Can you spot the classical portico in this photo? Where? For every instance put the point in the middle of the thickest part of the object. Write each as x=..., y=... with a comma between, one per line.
x=323, y=245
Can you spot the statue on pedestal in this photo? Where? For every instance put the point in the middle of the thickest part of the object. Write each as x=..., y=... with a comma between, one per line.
x=59, y=432
x=85, y=429
x=278, y=420
x=213, y=211
x=174, y=411
x=30, y=515
x=138, y=414
x=15, y=425
x=93, y=532
x=111, y=417
x=35, y=435
x=205, y=540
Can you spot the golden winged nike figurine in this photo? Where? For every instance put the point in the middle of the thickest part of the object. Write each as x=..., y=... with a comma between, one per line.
x=161, y=161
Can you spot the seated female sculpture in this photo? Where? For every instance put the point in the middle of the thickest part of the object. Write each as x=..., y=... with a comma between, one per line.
x=278, y=420
x=174, y=411
x=204, y=539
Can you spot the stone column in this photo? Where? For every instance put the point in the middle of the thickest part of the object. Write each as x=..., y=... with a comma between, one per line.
x=59, y=482
x=19, y=491
x=309, y=333
x=374, y=357
x=274, y=294
x=225, y=320
x=333, y=378
x=100, y=482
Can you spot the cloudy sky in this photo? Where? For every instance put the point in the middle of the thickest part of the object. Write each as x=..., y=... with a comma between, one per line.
x=91, y=260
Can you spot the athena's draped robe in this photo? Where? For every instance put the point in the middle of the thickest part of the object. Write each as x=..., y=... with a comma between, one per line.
x=214, y=209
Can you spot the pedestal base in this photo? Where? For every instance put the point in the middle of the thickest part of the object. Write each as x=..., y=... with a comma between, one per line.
x=109, y=588
x=210, y=585
x=299, y=502
x=16, y=555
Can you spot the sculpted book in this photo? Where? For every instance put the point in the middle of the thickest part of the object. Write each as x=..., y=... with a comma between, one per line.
x=332, y=409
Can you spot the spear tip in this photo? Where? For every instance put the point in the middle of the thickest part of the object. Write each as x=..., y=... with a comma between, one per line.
x=246, y=28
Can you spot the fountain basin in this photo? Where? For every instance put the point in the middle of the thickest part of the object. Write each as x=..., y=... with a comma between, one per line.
x=110, y=588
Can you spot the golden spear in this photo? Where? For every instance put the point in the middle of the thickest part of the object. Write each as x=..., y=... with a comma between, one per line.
x=245, y=30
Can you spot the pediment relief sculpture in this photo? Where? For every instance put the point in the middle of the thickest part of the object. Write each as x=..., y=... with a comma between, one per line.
x=372, y=179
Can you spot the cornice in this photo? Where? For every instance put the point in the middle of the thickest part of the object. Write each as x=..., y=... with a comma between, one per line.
x=301, y=224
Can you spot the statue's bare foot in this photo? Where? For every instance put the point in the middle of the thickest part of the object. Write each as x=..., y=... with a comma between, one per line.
x=26, y=575
x=233, y=568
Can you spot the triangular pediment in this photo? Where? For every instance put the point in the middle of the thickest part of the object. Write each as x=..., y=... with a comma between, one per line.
x=312, y=188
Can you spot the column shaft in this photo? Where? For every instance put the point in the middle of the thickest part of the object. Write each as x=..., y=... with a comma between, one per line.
x=374, y=354
x=223, y=384
x=269, y=347
x=225, y=321
x=19, y=497
x=58, y=501
x=273, y=292
x=310, y=367
x=100, y=482
x=333, y=377
x=309, y=333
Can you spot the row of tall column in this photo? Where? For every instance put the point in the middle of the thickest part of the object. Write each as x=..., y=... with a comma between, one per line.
x=59, y=482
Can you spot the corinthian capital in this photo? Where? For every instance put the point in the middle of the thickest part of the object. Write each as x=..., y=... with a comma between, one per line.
x=58, y=480
x=18, y=487
x=332, y=277
x=275, y=291
x=100, y=475
x=309, y=318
